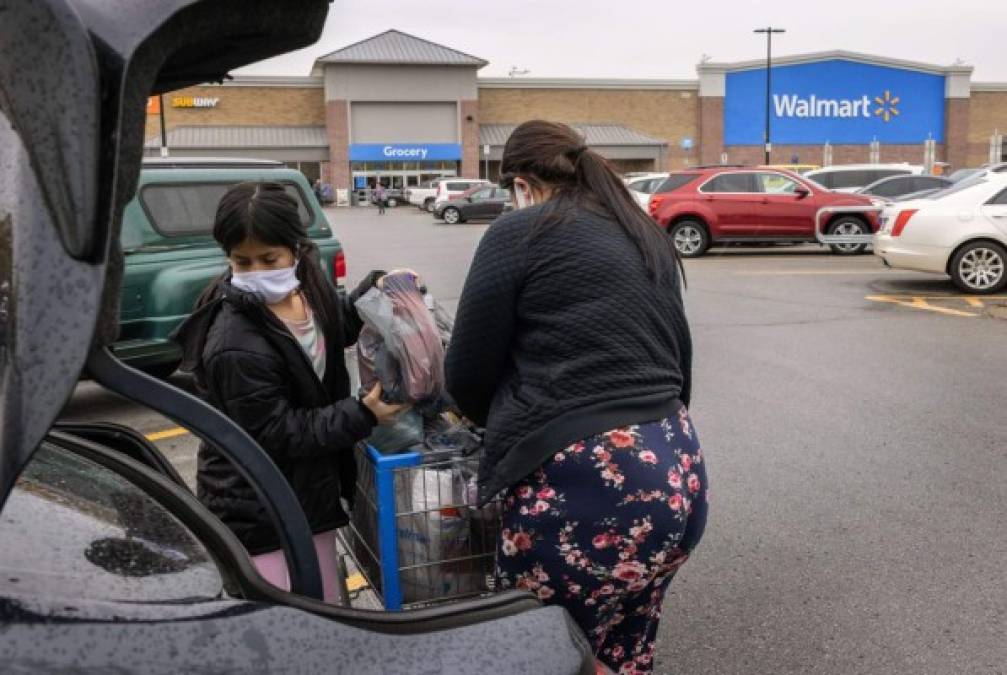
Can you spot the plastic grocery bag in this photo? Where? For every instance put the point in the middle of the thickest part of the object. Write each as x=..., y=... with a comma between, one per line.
x=400, y=344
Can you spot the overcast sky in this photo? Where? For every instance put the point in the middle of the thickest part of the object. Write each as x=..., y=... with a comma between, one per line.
x=666, y=38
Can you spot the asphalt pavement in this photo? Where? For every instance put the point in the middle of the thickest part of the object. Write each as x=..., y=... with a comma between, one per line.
x=852, y=418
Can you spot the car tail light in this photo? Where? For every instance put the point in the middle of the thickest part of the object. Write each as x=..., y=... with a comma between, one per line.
x=339, y=268
x=653, y=205
x=902, y=220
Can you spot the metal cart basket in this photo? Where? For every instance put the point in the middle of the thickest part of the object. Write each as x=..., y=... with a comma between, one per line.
x=415, y=533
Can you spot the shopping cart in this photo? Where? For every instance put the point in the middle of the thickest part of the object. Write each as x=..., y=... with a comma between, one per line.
x=415, y=534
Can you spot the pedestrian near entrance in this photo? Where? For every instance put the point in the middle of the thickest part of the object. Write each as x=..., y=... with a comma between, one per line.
x=266, y=346
x=379, y=197
x=582, y=382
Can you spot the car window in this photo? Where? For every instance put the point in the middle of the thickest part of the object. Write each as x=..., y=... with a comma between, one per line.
x=639, y=185
x=825, y=179
x=731, y=182
x=675, y=181
x=966, y=184
x=501, y=193
x=775, y=183
x=895, y=187
x=481, y=195
x=840, y=180
x=76, y=528
x=878, y=174
x=1000, y=199
x=188, y=209
x=928, y=182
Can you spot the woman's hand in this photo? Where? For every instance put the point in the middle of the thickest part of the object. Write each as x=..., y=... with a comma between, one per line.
x=384, y=413
x=400, y=270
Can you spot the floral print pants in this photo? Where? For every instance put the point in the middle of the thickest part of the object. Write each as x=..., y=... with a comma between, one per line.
x=602, y=527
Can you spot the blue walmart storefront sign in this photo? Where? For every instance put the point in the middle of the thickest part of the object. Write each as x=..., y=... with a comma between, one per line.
x=408, y=152
x=835, y=101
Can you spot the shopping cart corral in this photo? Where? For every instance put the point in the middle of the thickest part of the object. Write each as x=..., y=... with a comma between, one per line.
x=415, y=534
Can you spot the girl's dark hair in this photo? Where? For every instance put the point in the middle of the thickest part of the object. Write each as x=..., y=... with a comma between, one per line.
x=266, y=212
x=553, y=156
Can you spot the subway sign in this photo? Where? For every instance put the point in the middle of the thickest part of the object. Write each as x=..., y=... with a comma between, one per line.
x=194, y=102
x=405, y=152
x=836, y=101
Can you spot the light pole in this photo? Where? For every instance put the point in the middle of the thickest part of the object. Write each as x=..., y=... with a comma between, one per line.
x=769, y=30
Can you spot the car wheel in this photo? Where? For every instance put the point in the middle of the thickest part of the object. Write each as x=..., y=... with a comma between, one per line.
x=980, y=268
x=452, y=216
x=845, y=226
x=690, y=238
x=392, y=203
x=428, y=205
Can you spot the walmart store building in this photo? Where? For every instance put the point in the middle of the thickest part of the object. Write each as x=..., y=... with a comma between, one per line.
x=407, y=110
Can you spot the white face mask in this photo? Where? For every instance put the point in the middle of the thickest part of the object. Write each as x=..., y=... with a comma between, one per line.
x=522, y=196
x=271, y=286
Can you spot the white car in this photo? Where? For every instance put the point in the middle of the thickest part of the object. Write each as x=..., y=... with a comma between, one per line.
x=852, y=177
x=643, y=186
x=453, y=187
x=961, y=232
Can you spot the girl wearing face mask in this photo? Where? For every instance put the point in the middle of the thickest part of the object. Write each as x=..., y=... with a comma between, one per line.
x=572, y=348
x=266, y=347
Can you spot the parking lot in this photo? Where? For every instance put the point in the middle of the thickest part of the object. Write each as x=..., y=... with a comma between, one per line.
x=853, y=421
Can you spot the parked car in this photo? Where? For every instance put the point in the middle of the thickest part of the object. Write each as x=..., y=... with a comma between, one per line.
x=482, y=202
x=453, y=188
x=852, y=177
x=712, y=206
x=110, y=564
x=961, y=232
x=802, y=169
x=894, y=188
x=170, y=255
x=423, y=196
x=642, y=187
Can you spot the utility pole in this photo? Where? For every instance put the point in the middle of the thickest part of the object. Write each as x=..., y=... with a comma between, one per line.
x=768, y=31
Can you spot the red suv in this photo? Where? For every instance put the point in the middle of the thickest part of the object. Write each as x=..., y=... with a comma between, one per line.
x=707, y=206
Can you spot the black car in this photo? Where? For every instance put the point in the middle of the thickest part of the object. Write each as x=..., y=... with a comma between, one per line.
x=483, y=202
x=109, y=563
x=895, y=188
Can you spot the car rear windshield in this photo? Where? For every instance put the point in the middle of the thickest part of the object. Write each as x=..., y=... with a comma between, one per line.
x=188, y=209
x=675, y=181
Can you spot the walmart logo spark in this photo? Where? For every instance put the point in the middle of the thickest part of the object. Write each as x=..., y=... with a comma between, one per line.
x=887, y=109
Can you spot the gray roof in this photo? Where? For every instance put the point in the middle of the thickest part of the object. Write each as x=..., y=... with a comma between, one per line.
x=401, y=48
x=594, y=134
x=243, y=137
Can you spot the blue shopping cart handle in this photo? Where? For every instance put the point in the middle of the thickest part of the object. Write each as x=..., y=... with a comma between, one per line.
x=386, y=462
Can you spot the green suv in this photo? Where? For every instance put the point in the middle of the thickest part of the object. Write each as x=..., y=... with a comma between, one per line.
x=171, y=256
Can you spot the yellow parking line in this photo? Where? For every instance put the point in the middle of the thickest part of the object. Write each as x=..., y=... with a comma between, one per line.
x=918, y=302
x=974, y=302
x=167, y=433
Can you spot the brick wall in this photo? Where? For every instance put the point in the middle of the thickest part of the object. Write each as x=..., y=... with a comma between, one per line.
x=251, y=106
x=670, y=115
x=956, y=132
x=337, y=119
x=987, y=113
x=470, y=138
x=711, y=129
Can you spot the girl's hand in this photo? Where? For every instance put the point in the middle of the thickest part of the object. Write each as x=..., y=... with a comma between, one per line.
x=385, y=413
x=400, y=270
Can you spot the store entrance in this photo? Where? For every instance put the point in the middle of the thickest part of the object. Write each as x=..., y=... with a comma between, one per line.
x=396, y=177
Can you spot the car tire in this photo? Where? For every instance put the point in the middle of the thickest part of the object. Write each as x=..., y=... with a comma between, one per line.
x=848, y=225
x=980, y=268
x=428, y=205
x=690, y=238
x=452, y=216
x=392, y=203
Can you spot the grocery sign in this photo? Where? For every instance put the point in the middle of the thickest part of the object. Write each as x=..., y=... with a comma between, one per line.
x=834, y=101
x=422, y=152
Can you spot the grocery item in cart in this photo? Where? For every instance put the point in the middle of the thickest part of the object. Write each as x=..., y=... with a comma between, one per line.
x=400, y=344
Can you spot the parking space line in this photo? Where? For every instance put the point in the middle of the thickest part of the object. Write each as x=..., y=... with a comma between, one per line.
x=919, y=302
x=167, y=433
x=974, y=302
x=355, y=582
x=809, y=273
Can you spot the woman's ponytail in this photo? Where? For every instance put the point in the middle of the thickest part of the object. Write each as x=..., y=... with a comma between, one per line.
x=553, y=156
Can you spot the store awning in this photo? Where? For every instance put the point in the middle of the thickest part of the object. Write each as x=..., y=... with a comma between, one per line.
x=293, y=143
x=613, y=141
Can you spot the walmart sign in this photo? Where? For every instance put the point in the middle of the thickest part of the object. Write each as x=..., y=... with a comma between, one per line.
x=835, y=101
